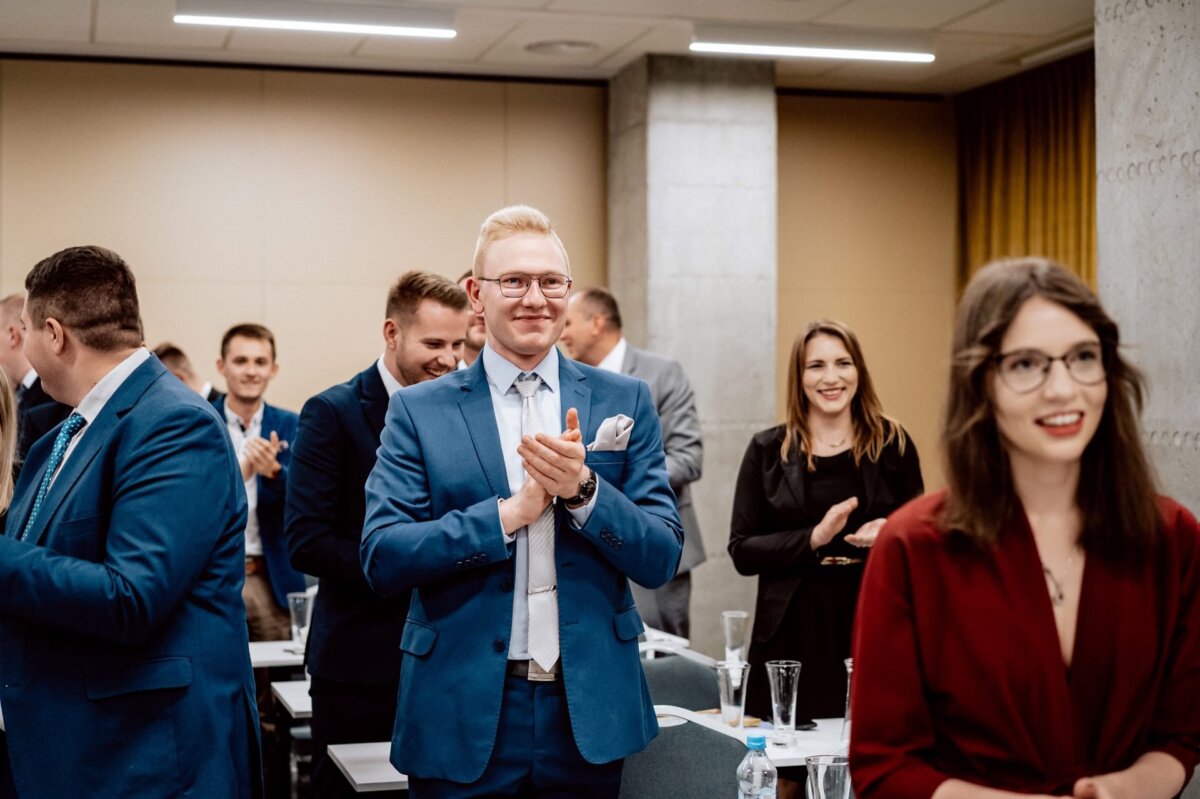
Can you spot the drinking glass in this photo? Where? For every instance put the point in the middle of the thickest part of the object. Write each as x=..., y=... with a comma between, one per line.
x=731, y=678
x=784, y=676
x=736, y=626
x=300, y=607
x=846, y=719
x=828, y=777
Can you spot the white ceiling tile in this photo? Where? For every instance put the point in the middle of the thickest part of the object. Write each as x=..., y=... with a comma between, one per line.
x=609, y=37
x=149, y=22
x=667, y=38
x=762, y=12
x=1033, y=17
x=476, y=33
x=633, y=8
x=46, y=20
x=244, y=40
x=893, y=14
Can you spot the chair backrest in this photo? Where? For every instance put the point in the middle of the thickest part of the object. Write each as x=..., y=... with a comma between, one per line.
x=684, y=760
x=681, y=681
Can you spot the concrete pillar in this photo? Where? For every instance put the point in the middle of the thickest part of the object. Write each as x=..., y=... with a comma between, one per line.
x=692, y=259
x=1148, y=214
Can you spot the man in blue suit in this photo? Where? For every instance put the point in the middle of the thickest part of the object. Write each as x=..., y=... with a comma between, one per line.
x=261, y=435
x=123, y=659
x=353, y=651
x=520, y=674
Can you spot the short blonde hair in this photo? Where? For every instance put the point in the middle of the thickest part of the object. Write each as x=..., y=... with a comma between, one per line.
x=511, y=221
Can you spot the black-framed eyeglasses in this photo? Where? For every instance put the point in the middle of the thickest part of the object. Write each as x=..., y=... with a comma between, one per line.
x=1026, y=370
x=516, y=284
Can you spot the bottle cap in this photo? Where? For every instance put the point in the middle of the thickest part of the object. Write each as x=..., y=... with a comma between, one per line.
x=756, y=740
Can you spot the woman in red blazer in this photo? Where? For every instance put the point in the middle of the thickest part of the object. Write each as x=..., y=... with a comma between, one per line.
x=1033, y=629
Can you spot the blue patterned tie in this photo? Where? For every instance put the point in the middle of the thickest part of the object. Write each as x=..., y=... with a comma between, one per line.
x=71, y=426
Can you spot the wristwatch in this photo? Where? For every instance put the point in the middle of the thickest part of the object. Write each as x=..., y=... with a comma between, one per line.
x=587, y=490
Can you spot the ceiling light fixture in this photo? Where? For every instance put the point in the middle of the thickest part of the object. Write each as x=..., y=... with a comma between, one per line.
x=298, y=15
x=732, y=40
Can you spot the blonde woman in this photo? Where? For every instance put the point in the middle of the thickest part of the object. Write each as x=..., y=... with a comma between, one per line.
x=8, y=440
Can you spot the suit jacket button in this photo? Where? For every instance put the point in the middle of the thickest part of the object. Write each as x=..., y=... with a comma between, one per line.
x=506, y=586
x=498, y=645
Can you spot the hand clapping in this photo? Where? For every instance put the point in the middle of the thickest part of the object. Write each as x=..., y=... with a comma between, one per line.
x=557, y=463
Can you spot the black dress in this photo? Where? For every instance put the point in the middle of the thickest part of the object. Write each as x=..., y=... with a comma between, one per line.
x=806, y=599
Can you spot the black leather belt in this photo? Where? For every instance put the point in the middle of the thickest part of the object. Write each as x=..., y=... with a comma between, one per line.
x=530, y=670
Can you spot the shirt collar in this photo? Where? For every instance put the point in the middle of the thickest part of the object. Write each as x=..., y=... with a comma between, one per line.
x=615, y=358
x=255, y=419
x=93, y=402
x=502, y=373
x=27, y=380
x=390, y=383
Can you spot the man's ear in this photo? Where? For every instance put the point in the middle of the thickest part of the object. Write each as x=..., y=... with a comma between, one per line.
x=221, y=366
x=473, y=286
x=57, y=334
x=391, y=331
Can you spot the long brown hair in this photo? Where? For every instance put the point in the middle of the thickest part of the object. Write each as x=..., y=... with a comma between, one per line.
x=8, y=439
x=1116, y=493
x=871, y=428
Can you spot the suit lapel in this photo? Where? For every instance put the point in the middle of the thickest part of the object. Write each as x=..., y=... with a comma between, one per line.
x=575, y=394
x=374, y=398
x=476, y=405
x=91, y=440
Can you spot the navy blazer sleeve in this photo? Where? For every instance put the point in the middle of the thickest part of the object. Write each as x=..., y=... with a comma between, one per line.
x=322, y=536
x=160, y=534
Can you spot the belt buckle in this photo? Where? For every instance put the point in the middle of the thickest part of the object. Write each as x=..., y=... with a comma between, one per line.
x=538, y=674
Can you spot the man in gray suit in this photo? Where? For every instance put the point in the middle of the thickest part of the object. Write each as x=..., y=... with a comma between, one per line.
x=592, y=334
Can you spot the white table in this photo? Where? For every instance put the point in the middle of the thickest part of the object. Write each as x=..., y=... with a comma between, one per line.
x=824, y=740
x=293, y=696
x=367, y=768
x=268, y=654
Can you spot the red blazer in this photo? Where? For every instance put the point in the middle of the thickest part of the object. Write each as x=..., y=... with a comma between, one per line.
x=958, y=671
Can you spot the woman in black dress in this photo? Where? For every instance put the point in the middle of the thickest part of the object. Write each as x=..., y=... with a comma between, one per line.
x=811, y=496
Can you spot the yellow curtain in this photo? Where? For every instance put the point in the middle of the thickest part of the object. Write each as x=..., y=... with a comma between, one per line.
x=1027, y=168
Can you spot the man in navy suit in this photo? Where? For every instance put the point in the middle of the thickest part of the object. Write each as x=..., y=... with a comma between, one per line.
x=520, y=673
x=353, y=651
x=261, y=435
x=123, y=659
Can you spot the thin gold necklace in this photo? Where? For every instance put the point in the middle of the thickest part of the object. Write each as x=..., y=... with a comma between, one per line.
x=827, y=445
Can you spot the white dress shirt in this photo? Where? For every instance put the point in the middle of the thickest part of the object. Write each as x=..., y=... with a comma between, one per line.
x=506, y=404
x=238, y=435
x=615, y=358
x=390, y=383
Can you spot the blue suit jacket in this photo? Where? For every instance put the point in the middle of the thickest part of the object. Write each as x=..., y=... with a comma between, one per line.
x=433, y=525
x=355, y=633
x=271, y=493
x=123, y=654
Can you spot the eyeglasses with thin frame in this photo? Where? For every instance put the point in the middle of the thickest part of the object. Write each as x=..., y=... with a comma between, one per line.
x=1026, y=370
x=516, y=284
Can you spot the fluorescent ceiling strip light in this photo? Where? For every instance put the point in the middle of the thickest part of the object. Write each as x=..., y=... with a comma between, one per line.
x=787, y=51
x=325, y=27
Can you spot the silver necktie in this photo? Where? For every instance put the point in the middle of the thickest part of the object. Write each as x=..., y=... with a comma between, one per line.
x=542, y=586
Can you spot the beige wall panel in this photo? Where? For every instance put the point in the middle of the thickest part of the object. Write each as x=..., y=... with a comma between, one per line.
x=288, y=198
x=867, y=205
x=380, y=175
x=160, y=164
x=556, y=136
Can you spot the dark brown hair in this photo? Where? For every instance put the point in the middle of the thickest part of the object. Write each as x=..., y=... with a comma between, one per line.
x=601, y=302
x=871, y=428
x=407, y=293
x=248, y=330
x=89, y=290
x=1116, y=493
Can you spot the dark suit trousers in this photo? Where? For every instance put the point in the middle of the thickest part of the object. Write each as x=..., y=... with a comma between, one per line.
x=346, y=713
x=7, y=789
x=535, y=753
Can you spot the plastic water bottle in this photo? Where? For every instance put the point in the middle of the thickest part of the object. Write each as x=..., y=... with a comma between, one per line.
x=756, y=775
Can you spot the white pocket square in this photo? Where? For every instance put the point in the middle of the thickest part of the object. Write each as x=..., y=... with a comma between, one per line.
x=613, y=435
